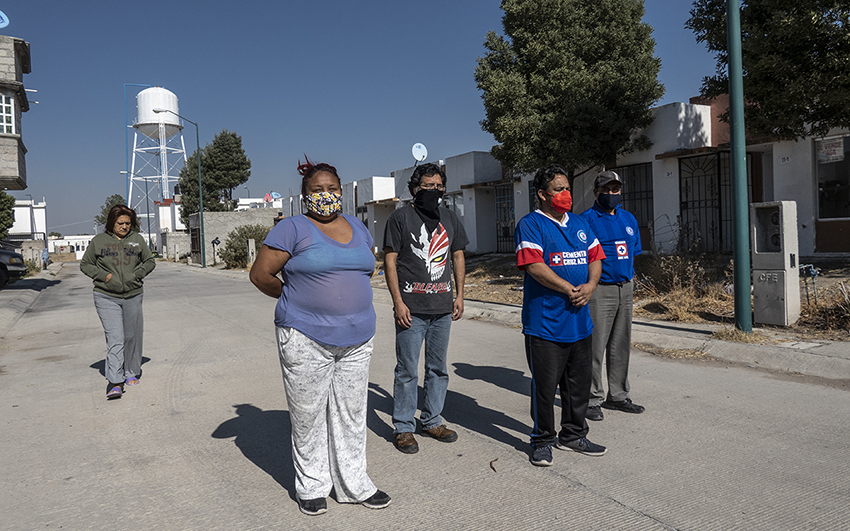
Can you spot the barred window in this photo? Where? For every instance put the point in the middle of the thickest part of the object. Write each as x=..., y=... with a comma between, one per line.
x=7, y=114
x=637, y=191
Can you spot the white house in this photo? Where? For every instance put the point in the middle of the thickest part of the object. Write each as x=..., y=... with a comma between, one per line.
x=76, y=244
x=680, y=189
x=372, y=201
x=30, y=220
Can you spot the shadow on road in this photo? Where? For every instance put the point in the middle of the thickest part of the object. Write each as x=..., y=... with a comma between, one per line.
x=100, y=366
x=460, y=410
x=30, y=284
x=264, y=438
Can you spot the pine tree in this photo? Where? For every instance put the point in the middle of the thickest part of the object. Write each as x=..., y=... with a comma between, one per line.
x=571, y=82
x=224, y=166
x=226, y=162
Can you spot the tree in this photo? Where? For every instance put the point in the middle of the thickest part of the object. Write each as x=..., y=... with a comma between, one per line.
x=213, y=194
x=226, y=162
x=224, y=166
x=571, y=83
x=7, y=214
x=795, y=60
x=111, y=201
x=55, y=235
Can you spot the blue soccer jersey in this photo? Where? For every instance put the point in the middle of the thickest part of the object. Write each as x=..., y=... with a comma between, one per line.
x=619, y=236
x=567, y=248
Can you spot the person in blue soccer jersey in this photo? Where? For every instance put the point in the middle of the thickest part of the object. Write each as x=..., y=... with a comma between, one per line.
x=611, y=304
x=561, y=258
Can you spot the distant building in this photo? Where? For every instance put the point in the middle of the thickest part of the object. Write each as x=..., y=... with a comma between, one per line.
x=76, y=244
x=371, y=200
x=30, y=220
x=14, y=63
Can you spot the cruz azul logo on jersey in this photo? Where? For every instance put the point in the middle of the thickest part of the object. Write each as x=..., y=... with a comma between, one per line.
x=630, y=231
x=582, y=236
x=622, y=250
x=568, y=258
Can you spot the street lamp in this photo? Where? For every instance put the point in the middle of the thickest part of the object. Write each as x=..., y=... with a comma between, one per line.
x=200, y=184
x=147, y=207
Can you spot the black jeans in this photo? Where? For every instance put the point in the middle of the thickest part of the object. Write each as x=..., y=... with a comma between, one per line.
x=565, y=365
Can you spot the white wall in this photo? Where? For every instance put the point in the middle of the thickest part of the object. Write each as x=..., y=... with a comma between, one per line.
x=78, y=243
x=348, y=193
x=794, y=179
x=30, y=217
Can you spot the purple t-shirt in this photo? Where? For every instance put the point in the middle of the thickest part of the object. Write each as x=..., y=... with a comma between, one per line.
x=327, y=295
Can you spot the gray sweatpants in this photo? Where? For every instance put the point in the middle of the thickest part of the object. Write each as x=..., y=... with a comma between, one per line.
x=123, y=324
x=326, y=391
x=611, y=312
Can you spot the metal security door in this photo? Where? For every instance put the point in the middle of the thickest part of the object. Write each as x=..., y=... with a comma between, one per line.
x=705, y=192
x=505, y=218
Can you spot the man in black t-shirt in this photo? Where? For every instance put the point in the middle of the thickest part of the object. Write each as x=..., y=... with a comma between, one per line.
x=423, y=248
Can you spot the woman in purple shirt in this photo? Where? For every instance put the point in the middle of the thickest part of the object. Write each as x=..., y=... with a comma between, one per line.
x=325, y=327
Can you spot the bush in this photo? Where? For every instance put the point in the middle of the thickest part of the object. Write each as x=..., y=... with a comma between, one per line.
x=234, y=253
x=33, y=267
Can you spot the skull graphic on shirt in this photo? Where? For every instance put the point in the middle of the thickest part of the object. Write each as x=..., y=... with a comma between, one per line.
x=434, y=251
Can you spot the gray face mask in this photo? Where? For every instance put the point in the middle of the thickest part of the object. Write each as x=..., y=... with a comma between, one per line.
x=609, y=202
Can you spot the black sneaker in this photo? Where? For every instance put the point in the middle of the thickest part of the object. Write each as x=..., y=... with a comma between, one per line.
x=379, y=500
x=582, y=446
x=313, y=507
x=594, y=413
x=541, y=455
x=623, y=405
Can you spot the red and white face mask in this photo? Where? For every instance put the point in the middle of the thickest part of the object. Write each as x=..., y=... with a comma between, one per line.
x=562, y=202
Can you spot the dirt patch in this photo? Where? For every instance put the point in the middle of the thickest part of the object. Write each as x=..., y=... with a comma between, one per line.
x=688, y=290
x=674, y=353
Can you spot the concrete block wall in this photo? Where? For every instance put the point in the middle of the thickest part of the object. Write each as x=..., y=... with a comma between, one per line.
x=220, y=224
x=176, y=244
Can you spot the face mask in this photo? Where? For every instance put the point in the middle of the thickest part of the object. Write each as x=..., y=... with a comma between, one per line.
x=428, y=200
x=562, y=202
x=324, y=203
x=609, y=202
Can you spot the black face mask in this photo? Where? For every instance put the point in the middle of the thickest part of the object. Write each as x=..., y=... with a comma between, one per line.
x=428, y=201
x=609, y=202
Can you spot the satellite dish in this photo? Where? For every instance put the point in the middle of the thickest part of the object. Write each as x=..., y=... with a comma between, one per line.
x=420, y=152
x=4, y=20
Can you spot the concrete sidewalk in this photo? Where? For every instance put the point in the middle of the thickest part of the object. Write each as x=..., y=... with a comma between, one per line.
x=202, y=442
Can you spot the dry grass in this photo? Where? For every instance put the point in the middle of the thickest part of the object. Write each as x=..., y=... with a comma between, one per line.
x=673, y=353
x=831, y=314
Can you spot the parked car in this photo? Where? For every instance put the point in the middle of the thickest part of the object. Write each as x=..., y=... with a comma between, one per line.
x=12, y=267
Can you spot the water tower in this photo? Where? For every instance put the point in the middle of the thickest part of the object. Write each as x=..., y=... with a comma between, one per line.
x=158, y=149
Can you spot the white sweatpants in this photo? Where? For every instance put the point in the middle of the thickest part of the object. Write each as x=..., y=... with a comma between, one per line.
x=326, y=391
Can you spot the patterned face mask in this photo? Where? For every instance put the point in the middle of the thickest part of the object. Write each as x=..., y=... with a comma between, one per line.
x=324, y=203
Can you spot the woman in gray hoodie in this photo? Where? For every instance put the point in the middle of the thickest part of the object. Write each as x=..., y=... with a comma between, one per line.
x=117, y=260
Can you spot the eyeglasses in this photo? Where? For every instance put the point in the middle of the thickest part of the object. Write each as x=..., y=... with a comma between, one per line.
x=432, y=186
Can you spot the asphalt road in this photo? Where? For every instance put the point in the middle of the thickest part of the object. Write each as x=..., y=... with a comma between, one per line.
x=203, y=441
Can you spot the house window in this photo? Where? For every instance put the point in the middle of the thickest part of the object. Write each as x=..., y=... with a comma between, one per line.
x=7, y=114
x=833, y=178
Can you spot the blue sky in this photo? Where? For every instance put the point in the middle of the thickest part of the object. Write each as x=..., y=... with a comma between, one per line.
x=355, y=84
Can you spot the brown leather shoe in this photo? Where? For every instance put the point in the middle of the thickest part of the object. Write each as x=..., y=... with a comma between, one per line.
x=406, y=443
x=441, y=433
